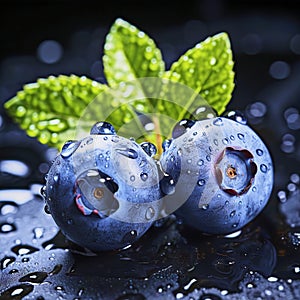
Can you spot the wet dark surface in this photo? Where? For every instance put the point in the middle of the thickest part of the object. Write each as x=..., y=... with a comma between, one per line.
x=171, y=261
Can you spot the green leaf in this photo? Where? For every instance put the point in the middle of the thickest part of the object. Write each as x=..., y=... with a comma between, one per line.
x=208, y=69
x=130, y=54
x=50, y=108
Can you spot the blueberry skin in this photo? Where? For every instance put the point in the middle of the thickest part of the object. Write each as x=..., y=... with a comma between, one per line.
x=102, y=192
x=223, y=173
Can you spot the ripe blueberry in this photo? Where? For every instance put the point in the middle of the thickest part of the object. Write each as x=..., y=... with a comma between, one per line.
x=102, y=190
x=223, y=174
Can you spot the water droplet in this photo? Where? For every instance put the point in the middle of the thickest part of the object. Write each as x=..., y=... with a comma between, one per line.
x=208, y=158
x=70, y=221
x=232, y=214
x=47, y=209
x=103, y=128
x=128, y=152
x=166, y=144
x=225, y=141
x=144, y=176
x=7, y=207
x=240, y=136
x=23, y=249
x=132, y=178
x=69, y=148
x=205, y=206
x=200, y=162
x=189, y=161
x=236, y=116
x=150, y=212
x=115, y=139
x=181, y=127
x=35, y=277
x=259, y=152
x=6, y=261
x=218, y=122
x=216, y=142
x=263, y=168
x=7, y=228
x=38, y=232
x=201, y=182
x=167, y=185
x=17, y=291
x=149, y=148
x=56, y=178
x=213, y=61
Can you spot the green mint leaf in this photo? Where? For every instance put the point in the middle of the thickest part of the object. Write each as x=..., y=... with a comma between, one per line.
x=50, y=108
x=208, y=69
x=130, y=54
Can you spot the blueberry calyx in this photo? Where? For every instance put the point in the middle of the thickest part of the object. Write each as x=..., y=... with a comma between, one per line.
x=181, y=127
x=235, y=171
x=103, y=128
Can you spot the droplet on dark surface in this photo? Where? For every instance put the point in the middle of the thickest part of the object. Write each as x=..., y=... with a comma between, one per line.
x=23, y=249
x=69, y=148
x=149, y=148
x=6, y=261
x=35, y=277
x=166, y=144
x=17, y=292
x=7, y=227
x=103, y=128
x=181, y=127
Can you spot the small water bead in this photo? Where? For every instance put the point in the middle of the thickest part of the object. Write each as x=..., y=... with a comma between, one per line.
x=254, y=189
x=132, y=178
x=259, y=152
x=236, y=116
x=8, y=208
x=232, y=137
x=128, y=152
x=208, y=158
x=216, y=142
x=167, y=184
x=218, y=122
x=200, y=162
x=7, y=228
x=38, y=232
x=232, y=214
x=150, y=212
x=201, y=182
x=149, y=148
x=240, y=136
x=103, y=128
x=6, y=261
x=69, y=148
x=144, y=176
x=56, y=178
x=23, y=249
x=205, y=207
x=263, y=168
x=225, y=141
x=189, y=161
x=166, y=144
x=181, y=127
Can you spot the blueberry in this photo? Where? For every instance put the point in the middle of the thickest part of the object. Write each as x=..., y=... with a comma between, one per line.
x=223, y=175
x=102, y=191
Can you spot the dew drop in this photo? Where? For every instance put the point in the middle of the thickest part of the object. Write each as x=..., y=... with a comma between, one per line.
x=208, y=158
x=56, y=178
x=232, y=214
x=263, y=168
x=69, y=148
x=150, y=212
x=259, y=152
x=181, y=127
x=200, y=162
x=201, y=182
x=6, y=261
x=23, y=249
x=7, y=228
x=218, y=122
x=132, y=178
x=205, y=206
x=166, y=144
x=38, y=232
x=144, y=176
x=103, y=128
x=149, y=148
x=240, y=136
x=128, y=152
x=167, y=185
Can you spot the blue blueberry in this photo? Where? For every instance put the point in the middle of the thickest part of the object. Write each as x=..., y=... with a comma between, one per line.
x=102, y=190
x=223, y=175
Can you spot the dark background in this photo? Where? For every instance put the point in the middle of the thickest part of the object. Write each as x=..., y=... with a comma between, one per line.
x=265, y=37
